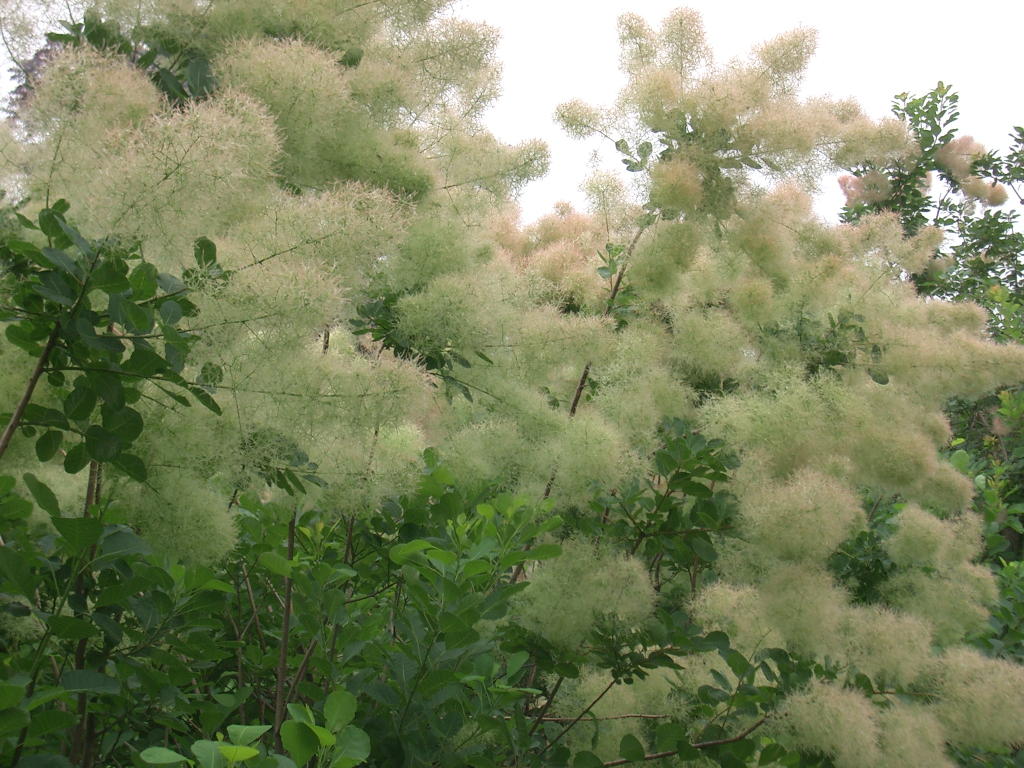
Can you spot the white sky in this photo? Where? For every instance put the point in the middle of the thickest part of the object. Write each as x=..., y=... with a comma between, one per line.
x=556, y=50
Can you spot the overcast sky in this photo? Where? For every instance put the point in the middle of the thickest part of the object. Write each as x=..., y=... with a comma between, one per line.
x=556, y=50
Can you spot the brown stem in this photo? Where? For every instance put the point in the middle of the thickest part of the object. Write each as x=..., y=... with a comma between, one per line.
x=579, y=390
x=602, y=719
x=26, y=397
x=547, y=705
x=331, y=653
x=239, y=659
x=81, y=747
x=576, y=719
x=585, y=376
x=349, y=532
x=302, y=668
x=252, y=605
x=698, y=745
x=282, y=656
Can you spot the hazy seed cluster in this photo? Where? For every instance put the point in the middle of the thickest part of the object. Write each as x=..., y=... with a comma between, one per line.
x=328, y=181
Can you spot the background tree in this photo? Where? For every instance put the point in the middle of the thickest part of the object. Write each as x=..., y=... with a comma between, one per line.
x=701, y=404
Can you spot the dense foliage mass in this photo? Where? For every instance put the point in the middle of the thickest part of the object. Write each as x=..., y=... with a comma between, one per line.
x=314, y=456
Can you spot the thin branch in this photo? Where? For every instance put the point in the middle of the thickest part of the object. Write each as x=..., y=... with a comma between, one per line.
x=612, y=717
x=699, y=745
x=302, y=667
x=575, y=720
x=30, y=387
x=547, y=705
x=282, y=657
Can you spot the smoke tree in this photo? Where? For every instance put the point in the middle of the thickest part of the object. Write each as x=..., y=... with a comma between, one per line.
x=721, y=396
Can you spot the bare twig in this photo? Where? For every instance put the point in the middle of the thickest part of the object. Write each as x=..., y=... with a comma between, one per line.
x=699, y=745
x=282, y=657
x=26, y=397
x=576, y=719
x=547, y=705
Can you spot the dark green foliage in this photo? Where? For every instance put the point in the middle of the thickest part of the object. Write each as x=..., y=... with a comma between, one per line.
x=101, y=323
x=180, y=71
x=379, y=320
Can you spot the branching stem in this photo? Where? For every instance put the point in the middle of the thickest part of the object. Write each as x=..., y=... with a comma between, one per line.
x=26, y=397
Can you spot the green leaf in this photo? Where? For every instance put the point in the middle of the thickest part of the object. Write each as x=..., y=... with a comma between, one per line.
x=353, y=744
x=630, y=748
x=515, y=662
x=76, y=459
x=205, y=252
x=142, y=281
x=122, y=543
x=587, y=760
x=299, y=741
x=102, y=444
x=705, y=549
x=11, y=694
x=208, y=754
x=49, y=223
x=339, y=709
x=44, y=761
x=737, y=662
x=161, y=756
x=89, y=681
x=690, y=487
x=544, y=552
x=63, y=262
x=110, y=277
x=235, y=753
x=89, y=337
x=170, y=312
x=275, y=563
x=22, y=336
x=169, y=283
x=125, y=423
x=668, y=735
x=79, y=532
x=44, y=497
x=144, y=362
x=48, y=445
x=25, y=221
x=70, y=628
x=80, y=401
x=200, y=81
x=12, y=721
x=961, y=461
x=302, y=713
x=132, y=316
x=246, y=734
x=16, y=567
x=45, y=417
x=132, y=466
x=108, y=386
x=442, y=556
x=771, y=753
x=138, y=318
x=204, y=399
x=216, y=585
x=62, y=207
x=327, y=739
x=402, y=553
x=54, y=287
